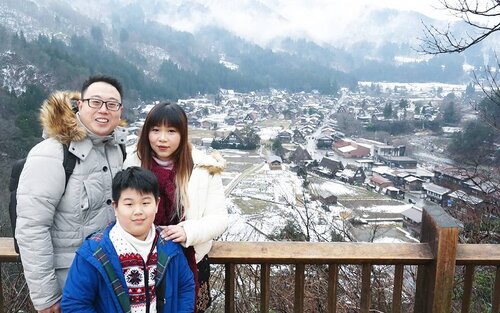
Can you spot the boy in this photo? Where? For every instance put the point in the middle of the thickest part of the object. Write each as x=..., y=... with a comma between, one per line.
x=128, y=267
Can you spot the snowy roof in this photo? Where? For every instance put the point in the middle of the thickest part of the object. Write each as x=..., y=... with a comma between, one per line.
x=414, y=214
x=435, y=188
x=462, y=195
x=411, y=179
x=364, y=161
x=273, y=158
x=347, y=149
x=383, y=170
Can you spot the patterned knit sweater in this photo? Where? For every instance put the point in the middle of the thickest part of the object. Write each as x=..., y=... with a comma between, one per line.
x=139, y=274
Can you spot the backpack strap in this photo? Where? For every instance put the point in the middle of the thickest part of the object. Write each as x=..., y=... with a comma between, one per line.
x=69, y=163
x=124, y=151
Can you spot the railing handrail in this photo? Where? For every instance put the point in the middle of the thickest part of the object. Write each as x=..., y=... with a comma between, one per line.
x=314, y=252
x=244, y=252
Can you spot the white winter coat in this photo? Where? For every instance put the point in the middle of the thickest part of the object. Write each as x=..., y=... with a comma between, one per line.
x=206, y=216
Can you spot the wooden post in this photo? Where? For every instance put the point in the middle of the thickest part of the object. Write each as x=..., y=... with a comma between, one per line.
x=398, y=288
x=435, y=281
x=2, y=302
x=366, y=288
x=496, y=293
x=298, y=306
x=333, y=273
x=230, y=288
x=265, y=277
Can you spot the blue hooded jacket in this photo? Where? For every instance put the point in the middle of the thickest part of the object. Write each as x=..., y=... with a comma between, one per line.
x=94, y=286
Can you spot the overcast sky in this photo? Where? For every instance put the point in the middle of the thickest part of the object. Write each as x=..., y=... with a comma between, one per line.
x=323, y=21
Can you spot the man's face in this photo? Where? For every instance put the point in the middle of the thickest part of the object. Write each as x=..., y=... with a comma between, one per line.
x=100, y=121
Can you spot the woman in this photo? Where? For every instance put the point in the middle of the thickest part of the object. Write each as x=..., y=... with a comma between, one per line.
x=192, y=203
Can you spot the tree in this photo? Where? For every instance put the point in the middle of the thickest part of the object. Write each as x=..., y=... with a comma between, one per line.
x=278, y=148
x=480, y=17
x=403, y=104
x=450, y=114
x=96, y=33
x=388, y=111
x=474, y=145
x=470, y=90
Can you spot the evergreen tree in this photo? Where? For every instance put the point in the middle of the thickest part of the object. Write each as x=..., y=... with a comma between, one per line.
x=450, y=114
x=388, y=111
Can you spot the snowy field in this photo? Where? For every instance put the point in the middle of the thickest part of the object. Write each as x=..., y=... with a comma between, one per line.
x=264, y=200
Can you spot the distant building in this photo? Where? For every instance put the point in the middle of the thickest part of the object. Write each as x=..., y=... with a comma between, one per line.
x=325, y=197
x=274, y=162
x=354, y=175
x=350, y=149
x=284, y=136
x=300, y=155
x=436, y=193
x=381, y=182
x=328, y=167
x=412, y=221
x=298, y=136
x=398, y=161
x=413, y=183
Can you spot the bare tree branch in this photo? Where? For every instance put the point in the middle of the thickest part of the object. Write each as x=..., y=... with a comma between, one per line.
x=481, y=16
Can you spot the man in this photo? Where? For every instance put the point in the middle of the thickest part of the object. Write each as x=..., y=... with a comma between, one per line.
x=53, y=218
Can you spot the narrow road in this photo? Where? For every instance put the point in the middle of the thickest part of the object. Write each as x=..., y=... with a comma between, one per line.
x=245, y=173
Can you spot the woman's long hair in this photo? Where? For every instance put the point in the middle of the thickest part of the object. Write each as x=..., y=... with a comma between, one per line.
x=171, y=115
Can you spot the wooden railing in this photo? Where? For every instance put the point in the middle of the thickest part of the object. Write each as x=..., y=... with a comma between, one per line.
x=436, y=257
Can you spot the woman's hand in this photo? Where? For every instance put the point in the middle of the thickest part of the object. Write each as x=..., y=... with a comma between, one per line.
x=173, y=232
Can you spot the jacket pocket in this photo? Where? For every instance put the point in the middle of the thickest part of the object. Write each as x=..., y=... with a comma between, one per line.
x=91, y=199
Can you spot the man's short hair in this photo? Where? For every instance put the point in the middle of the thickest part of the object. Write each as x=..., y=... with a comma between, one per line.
x=136, y=178
x=102, y=78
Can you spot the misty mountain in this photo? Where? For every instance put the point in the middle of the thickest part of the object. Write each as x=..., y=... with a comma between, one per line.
x=179, y=48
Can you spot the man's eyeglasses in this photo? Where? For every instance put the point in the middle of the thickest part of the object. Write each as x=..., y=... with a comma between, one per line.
x=97, y=104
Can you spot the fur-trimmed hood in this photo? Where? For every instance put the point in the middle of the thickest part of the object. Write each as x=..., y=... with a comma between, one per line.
x=214, y=163
x=58, y=119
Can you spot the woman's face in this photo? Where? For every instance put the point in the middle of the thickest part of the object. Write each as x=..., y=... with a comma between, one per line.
x=164, y=141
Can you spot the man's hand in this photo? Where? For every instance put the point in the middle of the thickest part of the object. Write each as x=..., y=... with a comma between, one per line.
x=174, y=232
x=55, y=308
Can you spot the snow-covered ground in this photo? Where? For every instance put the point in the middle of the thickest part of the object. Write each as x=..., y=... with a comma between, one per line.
x=264, y=201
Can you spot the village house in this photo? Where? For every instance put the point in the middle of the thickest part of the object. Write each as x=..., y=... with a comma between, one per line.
x=412, y=221
x=328, y=167
x=380, y=182
x=298, y=136
x=284, y=136
x=274, y=162
x=412, y=183
x=354, y=175
x=325, y=197
x=435, y=193
x=324, y=141
x=300, y=155
x=398, y=161
x=461, y=200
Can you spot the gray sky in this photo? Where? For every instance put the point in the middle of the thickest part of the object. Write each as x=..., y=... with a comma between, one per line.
x=323, y=21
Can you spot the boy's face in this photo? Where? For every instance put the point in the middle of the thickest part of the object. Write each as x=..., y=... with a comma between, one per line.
x=136, y=212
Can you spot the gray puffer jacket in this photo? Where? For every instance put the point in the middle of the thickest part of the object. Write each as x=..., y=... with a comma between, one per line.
x=52, y=221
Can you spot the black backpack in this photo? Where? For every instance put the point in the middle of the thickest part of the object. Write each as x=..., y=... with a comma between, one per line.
x=69, y=163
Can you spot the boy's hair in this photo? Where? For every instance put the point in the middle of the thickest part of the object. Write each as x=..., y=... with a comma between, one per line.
x=137, y=178
x=102, y=78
